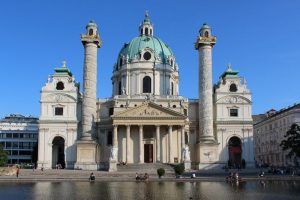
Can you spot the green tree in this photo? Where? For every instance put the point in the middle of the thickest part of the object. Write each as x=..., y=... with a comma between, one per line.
x=292, y=141
x=3, y=157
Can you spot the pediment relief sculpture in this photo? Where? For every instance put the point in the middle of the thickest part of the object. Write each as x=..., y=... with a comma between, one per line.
x=59, y=98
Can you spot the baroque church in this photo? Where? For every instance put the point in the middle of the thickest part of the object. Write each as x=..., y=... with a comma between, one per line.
x=146, y=120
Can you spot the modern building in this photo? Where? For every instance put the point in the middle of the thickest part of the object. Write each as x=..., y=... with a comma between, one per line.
x=19, y=137
x=269, y=131
x=146, y=120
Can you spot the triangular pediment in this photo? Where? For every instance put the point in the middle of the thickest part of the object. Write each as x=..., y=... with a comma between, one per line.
x=149, y=110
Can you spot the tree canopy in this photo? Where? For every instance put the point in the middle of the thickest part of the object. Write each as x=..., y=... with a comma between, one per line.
x=3, y=156
x=292, y=141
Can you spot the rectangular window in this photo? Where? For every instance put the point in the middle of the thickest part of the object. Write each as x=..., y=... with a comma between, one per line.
x=15, y=135
x=25, y=153
x=185, y=112
x=26, y=145
x=15, y=145
x=233, y=112
x=8, y=145
x=59, y=111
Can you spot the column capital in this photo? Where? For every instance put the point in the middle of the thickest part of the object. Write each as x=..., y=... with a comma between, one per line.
x=157, y=126
x=141, y=125
x=115, y=125
x=128, y=125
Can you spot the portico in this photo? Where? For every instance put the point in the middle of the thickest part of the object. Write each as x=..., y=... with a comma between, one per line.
x=149, y=134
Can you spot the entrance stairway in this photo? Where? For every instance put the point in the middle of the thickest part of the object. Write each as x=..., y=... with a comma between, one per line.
x=150, y=168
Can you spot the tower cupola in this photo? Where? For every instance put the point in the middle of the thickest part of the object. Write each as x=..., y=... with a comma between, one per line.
x=146, y=28
x=205, y=30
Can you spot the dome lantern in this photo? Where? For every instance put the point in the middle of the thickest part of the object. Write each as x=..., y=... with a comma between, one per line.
x=146, y=28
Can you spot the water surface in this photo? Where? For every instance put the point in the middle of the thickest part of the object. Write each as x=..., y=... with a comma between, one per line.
x=151, y=190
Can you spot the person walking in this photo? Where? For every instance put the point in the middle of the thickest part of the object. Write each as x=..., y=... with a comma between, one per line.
x=18, y=171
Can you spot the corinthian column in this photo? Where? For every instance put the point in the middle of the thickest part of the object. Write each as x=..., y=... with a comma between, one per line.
x=141, y=145
x=127, y=143
x=170, y=145
x=158, y=144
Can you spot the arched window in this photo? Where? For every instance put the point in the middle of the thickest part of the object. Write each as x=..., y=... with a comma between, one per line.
x=206, y=34
x=120, y=88
x=60, y=86
x=146, y=84
x=146, y=31
x=150, y=31
x=172, y=88
x=141, y=31
x=91, y=32
x=233, y=88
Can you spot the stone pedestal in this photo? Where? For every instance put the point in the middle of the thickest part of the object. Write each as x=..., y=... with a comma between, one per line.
x=87, y=155
x=187, y=165
x=112, y=166
x=207, y=155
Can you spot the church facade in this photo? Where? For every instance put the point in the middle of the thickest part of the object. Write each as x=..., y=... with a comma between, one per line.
x=146, y=120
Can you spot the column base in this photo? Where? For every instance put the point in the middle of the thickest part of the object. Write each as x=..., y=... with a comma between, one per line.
x=112, y=166
x=43, y=164
x=207, y=154
x=87, y=155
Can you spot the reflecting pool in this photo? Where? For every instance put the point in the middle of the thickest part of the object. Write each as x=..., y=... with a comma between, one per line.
x=151, y=190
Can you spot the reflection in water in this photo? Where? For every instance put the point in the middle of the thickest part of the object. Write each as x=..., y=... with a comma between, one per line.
x=151, y=190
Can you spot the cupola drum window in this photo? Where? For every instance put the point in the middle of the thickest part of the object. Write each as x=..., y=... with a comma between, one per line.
x=91, y=32
x=146, y=84
x=147, y=55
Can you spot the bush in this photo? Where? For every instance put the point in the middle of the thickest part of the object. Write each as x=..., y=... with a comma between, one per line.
x=161, y=172
x=179, y=169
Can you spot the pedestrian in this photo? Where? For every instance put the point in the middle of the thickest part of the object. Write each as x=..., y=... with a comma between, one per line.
x=18, y=171
x=92, y=177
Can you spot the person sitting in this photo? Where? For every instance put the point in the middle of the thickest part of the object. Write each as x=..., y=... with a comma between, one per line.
x=229, y=177
x=146, y=177
x=193, y=175
x=92, y=177
x=137, y=177
x=261, y=174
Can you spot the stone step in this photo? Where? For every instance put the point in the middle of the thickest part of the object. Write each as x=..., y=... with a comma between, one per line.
x=145, y=168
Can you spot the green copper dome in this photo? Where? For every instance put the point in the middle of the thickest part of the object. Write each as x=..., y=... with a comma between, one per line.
x=133, y=49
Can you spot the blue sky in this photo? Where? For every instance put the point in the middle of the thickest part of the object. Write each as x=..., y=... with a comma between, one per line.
x=261, y=39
